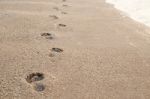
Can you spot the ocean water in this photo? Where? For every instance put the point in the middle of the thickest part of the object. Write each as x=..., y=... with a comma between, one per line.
x=138, y=10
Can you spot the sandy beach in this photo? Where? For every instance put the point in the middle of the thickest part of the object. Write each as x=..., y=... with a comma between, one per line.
x=71, y=49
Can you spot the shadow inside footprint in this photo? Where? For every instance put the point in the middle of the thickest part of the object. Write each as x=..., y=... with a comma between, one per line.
x=58, y=50
x=39, y=87
x=62, y=25
x=34, y=77
x=51, y=55
x=64, y=5
x=53, y=16
x=64, y=12
x=47, y=35
x=56, y=8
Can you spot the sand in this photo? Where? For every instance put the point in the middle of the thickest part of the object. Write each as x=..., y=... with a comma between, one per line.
x=73, y=49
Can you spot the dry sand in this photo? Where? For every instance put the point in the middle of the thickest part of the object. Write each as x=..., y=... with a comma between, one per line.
x=102, y=54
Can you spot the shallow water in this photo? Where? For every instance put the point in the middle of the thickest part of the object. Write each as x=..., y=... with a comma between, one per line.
x=138, y=10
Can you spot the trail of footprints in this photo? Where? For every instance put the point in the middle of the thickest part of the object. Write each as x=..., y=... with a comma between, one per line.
x=36, y=78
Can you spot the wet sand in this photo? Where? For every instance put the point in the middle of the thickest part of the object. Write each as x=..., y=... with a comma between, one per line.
x=71, y=49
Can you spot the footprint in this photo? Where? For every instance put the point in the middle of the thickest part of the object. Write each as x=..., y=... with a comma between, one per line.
x=64, y=12
x=39, y=87
x=64, y=5
x=62, y=25
x=34, y=77
x=64, y=0
x=58, y=50
x=47, y=35
x=53, y=16
x=56, y=8
x=54, y=51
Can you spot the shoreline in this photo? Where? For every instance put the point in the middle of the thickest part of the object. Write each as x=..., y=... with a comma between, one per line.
x=134, y=9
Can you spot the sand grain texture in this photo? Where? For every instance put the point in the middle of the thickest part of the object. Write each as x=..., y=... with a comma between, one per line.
x=104, y=55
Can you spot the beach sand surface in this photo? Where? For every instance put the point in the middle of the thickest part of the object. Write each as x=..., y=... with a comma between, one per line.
x=71, y=49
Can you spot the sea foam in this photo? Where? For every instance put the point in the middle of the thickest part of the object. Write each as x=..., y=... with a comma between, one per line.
x=138, y=10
